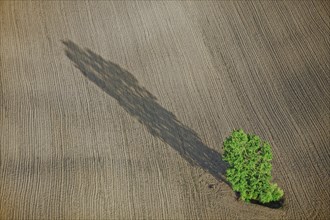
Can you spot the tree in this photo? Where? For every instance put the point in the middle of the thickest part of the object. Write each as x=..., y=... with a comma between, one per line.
x=250, y=167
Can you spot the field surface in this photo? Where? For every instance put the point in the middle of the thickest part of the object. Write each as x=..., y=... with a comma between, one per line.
x=118, y=110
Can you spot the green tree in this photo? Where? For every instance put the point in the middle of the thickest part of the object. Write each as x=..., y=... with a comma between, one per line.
x=250, y=167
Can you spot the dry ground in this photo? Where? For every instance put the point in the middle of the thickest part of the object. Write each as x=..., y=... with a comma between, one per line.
x=119, y=109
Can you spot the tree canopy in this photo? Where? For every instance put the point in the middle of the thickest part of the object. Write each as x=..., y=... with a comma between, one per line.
x=250, y=167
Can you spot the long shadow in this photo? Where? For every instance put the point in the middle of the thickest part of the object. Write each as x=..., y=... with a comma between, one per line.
x=141, y=104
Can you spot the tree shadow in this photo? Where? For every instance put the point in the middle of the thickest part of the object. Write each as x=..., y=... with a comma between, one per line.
x=141, y=104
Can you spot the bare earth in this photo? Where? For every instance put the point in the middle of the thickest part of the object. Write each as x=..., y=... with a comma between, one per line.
x=118, y=110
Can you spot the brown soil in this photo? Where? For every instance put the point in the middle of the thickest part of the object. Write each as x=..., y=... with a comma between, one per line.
x=118, y=110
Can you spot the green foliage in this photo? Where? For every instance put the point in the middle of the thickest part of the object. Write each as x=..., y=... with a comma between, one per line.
x=250, y=167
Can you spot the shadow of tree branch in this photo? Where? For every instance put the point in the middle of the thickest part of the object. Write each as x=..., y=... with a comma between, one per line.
x=141, y=104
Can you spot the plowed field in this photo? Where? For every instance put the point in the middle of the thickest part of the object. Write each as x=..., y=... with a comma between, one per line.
x=118, y=110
